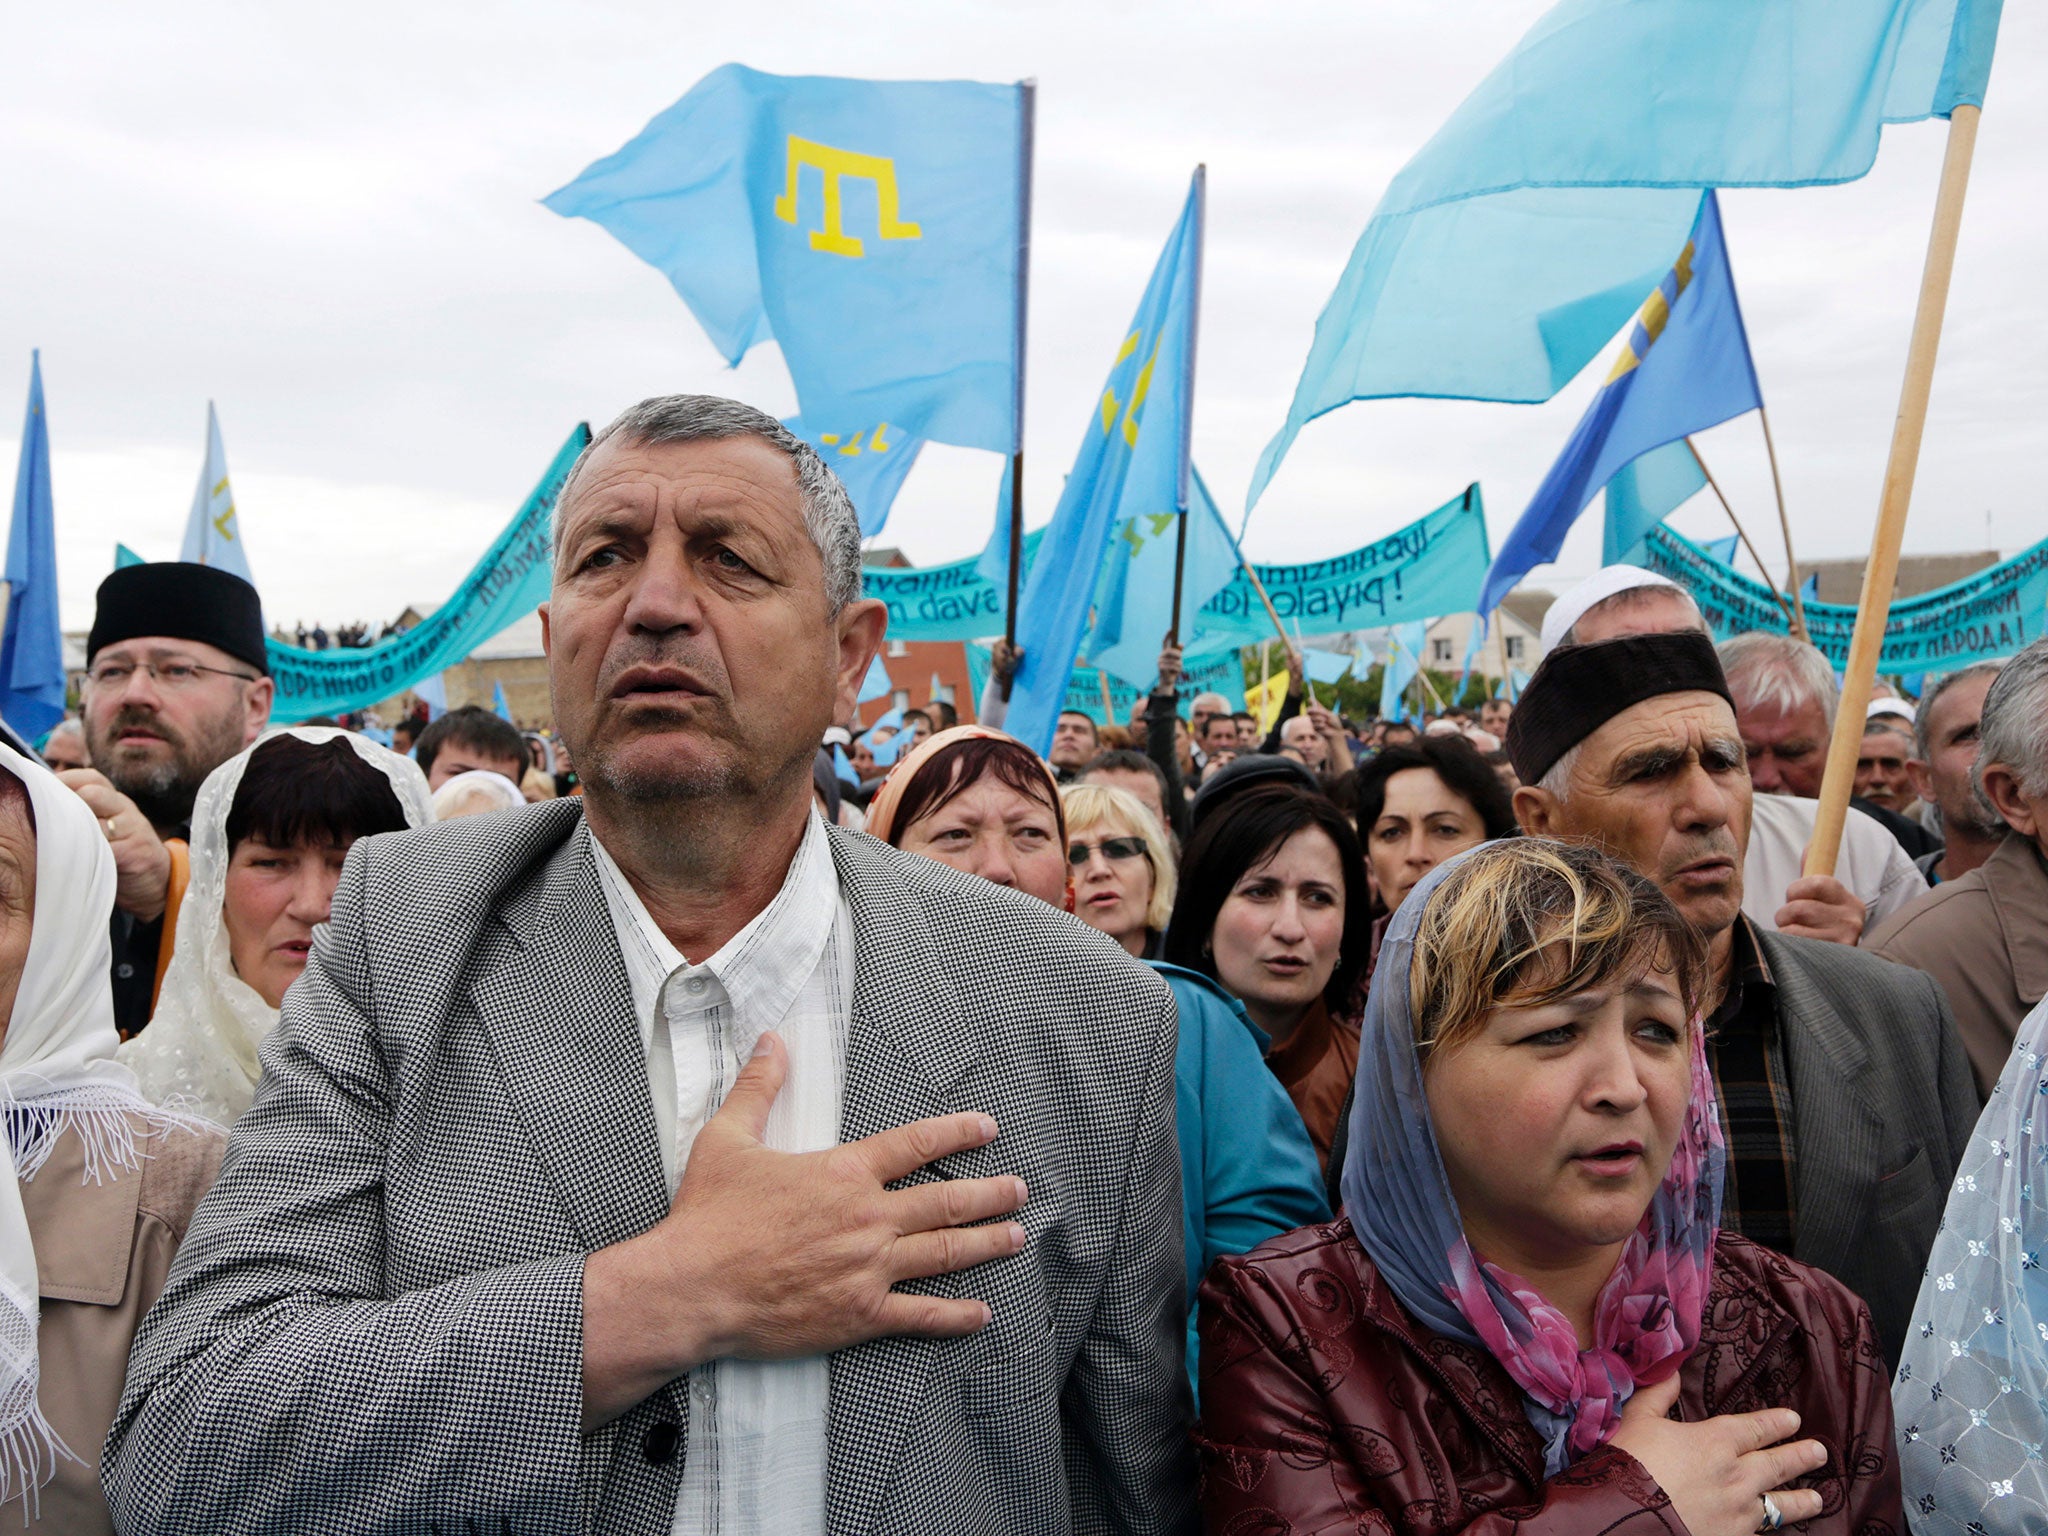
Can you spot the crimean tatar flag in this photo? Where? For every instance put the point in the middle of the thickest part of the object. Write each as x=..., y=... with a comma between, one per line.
x=871, y=228
x=1684, y=367
x=213, y=533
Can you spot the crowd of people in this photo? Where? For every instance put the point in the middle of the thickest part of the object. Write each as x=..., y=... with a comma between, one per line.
x=1341, y=1126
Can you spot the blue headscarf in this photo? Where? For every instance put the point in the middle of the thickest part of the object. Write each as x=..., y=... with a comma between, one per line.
x=1399, y=1199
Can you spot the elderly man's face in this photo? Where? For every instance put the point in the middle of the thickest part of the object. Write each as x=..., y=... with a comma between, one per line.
x=691, y=650
x=1661, y=786
x=1206, y=706
x=1953, y=728
x=1300, y=740
x=1787, y=749
x=1881, y=776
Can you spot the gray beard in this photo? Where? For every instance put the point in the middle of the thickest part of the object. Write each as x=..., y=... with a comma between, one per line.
x=163, y=792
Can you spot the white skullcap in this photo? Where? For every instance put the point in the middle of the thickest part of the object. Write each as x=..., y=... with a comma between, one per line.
x=1897, y=707
x=1590, y=593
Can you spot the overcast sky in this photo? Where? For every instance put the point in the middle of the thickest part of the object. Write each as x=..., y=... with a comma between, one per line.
x=326, y=220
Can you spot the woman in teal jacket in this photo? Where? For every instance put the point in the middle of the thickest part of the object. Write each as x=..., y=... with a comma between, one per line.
x=1247, y=1168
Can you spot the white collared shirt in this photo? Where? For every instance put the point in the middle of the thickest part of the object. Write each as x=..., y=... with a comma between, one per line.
x=756, y=1458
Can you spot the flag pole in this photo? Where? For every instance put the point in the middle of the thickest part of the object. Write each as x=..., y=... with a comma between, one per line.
x=1797, y=622
x=1027, y=112
x=1108, y=699
x=1187, y=409
x=1785, y=527
x=1881, y=571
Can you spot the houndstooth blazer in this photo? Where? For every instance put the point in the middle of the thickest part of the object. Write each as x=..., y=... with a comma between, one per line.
x=375, y=1325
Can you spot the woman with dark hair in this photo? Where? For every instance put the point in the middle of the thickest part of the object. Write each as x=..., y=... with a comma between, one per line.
x=1421, y=803
x=1529, y=1320
x=269, y=831
x=1273, y=907
x=983, y=802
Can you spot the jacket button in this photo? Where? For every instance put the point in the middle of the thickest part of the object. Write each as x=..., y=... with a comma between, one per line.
x=660, y=1445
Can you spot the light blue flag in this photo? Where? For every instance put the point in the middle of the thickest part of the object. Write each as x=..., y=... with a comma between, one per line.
x=871, y=465
x=1724, y=550
x=1519, y=238
x=125, y=557
x=1473, y=639
x=499, y=706
x=213, y=534
x=871, y=228
x=432, y=691
x=1643, y=493
x=1809, y=589
x=994, y=565
x=1134, y=595
x=1324, y=666
x=1133, y=461
x=876, y=685
x=1685, y=367
x=1517, y=681
x=31, y=645
x=1404, y=662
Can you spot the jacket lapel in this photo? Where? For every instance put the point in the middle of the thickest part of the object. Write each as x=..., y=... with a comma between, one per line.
x=1836, y=1123
x=907, y=1047
x=559, y=1015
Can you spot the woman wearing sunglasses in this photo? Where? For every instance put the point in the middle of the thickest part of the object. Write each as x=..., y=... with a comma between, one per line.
x=1120, y=866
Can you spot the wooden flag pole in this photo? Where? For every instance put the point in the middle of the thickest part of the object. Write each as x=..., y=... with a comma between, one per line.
x=1881, y=573
x=1785, y=527
x=1798, y=628
x=1108, y=699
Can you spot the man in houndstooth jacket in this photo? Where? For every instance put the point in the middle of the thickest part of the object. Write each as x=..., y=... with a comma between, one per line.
x=868, y=1220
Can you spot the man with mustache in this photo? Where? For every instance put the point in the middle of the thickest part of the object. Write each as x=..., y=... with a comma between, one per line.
x=177, y=681
x=1844, y=1091
x=669, y=1161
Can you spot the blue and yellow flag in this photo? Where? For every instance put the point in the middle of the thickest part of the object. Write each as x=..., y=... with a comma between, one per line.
x=31, y=646
x=1520, y=236
x=870, y=228
x=1134, y=595
x=1684, y=367
x=1133, y=461
x=872, y=465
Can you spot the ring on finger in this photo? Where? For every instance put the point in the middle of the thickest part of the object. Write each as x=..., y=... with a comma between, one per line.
x=108, y=823
x=1773, y=1516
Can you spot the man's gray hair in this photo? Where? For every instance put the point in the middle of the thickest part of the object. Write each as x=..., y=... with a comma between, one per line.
x=1778, y=671
x=2014, y=732
x=1924, y=714
x=828, y=511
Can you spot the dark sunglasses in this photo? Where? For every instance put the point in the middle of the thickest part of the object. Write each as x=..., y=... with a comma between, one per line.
x=1115, y=849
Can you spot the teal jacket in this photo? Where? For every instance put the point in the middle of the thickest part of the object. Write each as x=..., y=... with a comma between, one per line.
x=1247, y=1169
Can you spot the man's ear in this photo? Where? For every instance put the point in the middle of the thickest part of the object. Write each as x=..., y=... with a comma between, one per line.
x=2002, y=789
x=1537, y=810
x=1922, y=777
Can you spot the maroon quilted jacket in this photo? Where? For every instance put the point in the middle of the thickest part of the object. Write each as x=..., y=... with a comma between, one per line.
x=1327, y=1408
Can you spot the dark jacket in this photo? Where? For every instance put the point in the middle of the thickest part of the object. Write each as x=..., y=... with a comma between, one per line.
x=1327, y=1407
x=1882, y=1106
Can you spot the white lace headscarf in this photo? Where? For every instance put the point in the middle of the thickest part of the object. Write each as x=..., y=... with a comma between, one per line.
x=57, y=1075
x=199, y=1051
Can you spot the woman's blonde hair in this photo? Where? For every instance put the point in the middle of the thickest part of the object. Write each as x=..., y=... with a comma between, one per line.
x=1527, y=920
x=1090, y=805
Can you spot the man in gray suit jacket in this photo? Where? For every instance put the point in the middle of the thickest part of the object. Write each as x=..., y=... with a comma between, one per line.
x=667, y=1162
x=1844, y=1091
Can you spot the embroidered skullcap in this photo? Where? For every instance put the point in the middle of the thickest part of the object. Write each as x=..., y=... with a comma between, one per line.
x=1593, y=591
